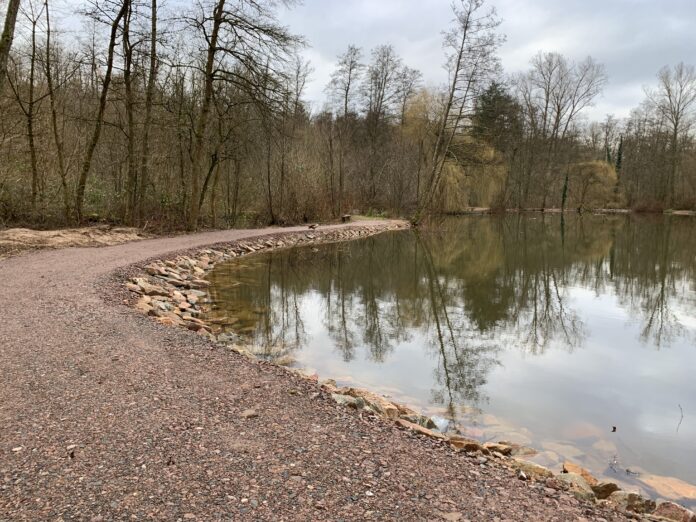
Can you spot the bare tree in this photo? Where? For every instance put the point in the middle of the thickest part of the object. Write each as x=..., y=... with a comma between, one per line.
x=145, y=159
x=471, y=45
x=553, y=93
x=343, y=87
x=247, y=48
x=92, y=145
x=674, y=100
x=7, y=37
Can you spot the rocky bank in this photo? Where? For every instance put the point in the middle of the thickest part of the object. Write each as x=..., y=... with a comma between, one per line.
x=173, y=292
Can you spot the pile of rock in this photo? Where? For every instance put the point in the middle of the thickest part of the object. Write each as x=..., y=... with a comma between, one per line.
x=174, y=291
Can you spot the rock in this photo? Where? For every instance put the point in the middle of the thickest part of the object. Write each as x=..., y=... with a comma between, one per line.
x=522, y=475
x=675, y=512
x=150, y=289
x=632, y=502
x=249, y=414
x=577, y=485
x=329, y=385
x=420, y=429
x=503, y=449
x=570, y=467
x=134, y=288
x=554, y=483
x=604, y=489
x=518, y=450
x=143, y=306
x=531, y=469
x=421, y=420
x=284, y=360
x=347, y=400
x=154, y=270
x=452, y=516
x=469, y=445
x=377, y=403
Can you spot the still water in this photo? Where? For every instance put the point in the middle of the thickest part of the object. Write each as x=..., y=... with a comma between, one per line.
x=517, y=327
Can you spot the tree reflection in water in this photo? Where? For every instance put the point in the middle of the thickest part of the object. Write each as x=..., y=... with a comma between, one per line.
x=467, y=288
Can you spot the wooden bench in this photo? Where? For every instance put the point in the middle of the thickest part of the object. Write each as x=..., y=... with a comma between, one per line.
x=345, y=218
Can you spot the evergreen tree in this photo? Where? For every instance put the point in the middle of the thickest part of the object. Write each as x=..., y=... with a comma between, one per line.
x=497, y=118
x=619, y=155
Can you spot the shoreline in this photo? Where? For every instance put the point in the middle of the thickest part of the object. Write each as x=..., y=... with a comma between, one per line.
x=555, y=211
x=109, y=415
x=173, y=292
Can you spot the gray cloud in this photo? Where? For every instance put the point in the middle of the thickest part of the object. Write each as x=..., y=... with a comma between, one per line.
x=633, y=38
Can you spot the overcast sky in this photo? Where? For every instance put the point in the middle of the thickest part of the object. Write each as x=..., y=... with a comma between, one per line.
x=632, y=38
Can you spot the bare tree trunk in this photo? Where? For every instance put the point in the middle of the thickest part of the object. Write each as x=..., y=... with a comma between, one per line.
x=202, y=125
x=132, y=177
x=149, y=95
x=213, y=197
x=54, y=119
x=87, y=164
x=7, y=37
x=35, y=182
x=269, y=185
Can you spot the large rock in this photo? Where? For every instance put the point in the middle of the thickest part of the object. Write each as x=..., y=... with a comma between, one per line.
x=570, y=467
x=420, y=429
x=604, y=489
x=377, y=403
x=675, y=512
x=577, y=485
x=470, y=445
x=148, y=288
x=531, y=469
x=503, y=449
x=632, y=502
x=347, y=400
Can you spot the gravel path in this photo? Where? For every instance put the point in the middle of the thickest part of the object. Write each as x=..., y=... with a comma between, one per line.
x=107, y=415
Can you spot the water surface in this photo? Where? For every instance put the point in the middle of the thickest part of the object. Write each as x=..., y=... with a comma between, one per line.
x=518, y=327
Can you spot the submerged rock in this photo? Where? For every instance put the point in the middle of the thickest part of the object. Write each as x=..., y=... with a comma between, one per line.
x=518, y=450
x=632, y=502
x=441, y=423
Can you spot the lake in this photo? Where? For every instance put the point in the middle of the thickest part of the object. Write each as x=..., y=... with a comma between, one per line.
x=528, y=328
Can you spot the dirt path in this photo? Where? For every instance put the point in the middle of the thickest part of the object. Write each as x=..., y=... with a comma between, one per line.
x=106, y=415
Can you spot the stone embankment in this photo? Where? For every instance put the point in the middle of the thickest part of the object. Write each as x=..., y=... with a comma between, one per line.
x=173, y=291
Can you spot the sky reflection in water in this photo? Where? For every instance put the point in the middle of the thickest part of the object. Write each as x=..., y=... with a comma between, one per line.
x=515, y=327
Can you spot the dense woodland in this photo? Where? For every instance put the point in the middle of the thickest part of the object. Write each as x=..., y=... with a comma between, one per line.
x=166, y=116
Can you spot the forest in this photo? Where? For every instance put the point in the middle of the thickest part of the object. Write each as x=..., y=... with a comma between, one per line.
x=179, y=118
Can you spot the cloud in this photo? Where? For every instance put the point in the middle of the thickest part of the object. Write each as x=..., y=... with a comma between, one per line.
x=633, y=38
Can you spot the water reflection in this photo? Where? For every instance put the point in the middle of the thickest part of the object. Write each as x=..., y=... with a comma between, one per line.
x=433, y=316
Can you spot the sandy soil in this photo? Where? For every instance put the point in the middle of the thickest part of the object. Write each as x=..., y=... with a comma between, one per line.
x=15, y=240
x=107, y=415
